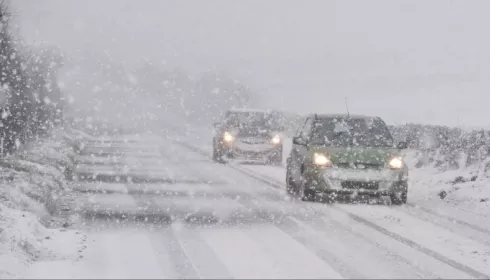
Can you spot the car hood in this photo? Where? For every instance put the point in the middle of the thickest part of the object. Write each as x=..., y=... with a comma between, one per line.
x=361, y=155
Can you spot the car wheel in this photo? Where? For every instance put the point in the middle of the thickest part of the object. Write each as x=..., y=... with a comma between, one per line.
x=290, y=187
x=276, y=160
x=305, y=192
x=329, y=198
x=399, y=200
x=217, y=157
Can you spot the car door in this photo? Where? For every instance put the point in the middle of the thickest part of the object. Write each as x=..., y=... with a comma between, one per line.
x=299, y=151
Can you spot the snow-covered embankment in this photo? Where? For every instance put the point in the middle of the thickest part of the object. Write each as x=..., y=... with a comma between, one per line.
x=30, y=183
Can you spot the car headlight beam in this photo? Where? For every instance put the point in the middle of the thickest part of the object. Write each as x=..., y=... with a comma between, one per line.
x=227, y=137
x=321, y=159
x=395, y=163
x=276, y=140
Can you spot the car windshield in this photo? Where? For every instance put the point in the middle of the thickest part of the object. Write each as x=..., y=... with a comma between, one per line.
x=365, y=132
x=251, y=119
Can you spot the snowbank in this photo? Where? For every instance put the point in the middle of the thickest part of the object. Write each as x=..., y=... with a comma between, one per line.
x=30, y=183
x=465, y=187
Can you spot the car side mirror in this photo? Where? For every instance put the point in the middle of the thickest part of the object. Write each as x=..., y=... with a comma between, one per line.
x=297, y=140
x=402, y=145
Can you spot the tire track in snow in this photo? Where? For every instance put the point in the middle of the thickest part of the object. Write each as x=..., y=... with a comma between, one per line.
x=271, y=182
x=181, y=252
x=421, y=248
x=479, y=235
x=451, y=219
x=249, y=201
x=413, y=244
x=355, y=246
x=458, y=265
x=190, y=254
x=166, y=247
x=295, y=225
x=201, y=255
x=173, y=244
x=287, y=225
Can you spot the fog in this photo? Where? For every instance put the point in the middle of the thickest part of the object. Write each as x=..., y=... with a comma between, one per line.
x=406, y=61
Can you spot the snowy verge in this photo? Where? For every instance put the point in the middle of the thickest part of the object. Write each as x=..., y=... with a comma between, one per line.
x=30, y=183
x=464, y=188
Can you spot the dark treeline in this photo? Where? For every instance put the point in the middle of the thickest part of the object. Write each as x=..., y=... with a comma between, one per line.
x=31, y=100
x=446, y=147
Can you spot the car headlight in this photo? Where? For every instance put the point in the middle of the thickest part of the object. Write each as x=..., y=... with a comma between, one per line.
x=321, y=159
x=395, y=163
x=227, y=137
x=276, y=140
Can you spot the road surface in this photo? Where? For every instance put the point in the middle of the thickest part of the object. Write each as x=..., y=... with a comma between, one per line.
x=153, y=207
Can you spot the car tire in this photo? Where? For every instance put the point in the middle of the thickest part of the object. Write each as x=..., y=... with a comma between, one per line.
x=305, y=192
x=217, y=157
x=276, y=160
x=290, y=187
x=399, y=201
x=308, y=195
x=329, y=198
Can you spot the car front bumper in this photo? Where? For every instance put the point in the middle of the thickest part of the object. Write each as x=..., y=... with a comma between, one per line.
x=251, y=152
x=360, y=182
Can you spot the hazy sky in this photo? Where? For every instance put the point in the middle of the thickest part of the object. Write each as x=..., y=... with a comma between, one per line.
x=414, y=60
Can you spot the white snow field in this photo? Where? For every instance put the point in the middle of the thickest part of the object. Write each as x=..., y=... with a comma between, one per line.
x=156, y=206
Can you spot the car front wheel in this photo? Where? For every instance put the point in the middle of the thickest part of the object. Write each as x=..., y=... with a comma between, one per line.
x=276, y=160
x=290, y=186
x=305, y=192
x=399, y=198
x=217, y=155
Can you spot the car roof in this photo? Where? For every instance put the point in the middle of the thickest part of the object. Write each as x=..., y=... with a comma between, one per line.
x=328, y=116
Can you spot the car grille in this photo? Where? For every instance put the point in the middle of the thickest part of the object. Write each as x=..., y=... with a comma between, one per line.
x=250, y=153
x=253, y=141
x=360, y=165
x=371, y=185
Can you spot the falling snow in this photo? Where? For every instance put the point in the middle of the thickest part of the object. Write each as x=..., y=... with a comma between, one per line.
x=231, y=143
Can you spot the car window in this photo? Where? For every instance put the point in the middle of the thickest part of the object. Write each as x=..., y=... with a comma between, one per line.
x=342, y=131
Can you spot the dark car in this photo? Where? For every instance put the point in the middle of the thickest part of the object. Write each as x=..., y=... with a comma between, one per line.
x=348, y=156
x=248, y=134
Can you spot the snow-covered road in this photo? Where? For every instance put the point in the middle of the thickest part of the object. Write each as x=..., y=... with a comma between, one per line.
x=153, y=207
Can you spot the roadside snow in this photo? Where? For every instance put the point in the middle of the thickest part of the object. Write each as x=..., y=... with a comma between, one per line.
x=30, y=183
x=24, y=240
x=465, y=185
